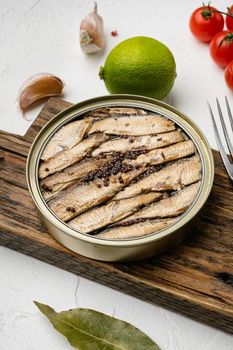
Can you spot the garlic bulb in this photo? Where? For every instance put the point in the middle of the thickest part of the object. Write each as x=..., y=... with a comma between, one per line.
x=92, y=32
x=38, y=87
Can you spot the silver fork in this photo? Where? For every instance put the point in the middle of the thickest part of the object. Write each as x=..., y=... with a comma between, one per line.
x=225, y=159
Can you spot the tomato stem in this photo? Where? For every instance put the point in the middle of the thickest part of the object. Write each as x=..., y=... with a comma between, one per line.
x=206, y=13
x=223, y=13
x=228, y=38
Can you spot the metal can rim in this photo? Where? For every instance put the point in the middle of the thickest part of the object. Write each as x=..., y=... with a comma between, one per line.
x=79, y=109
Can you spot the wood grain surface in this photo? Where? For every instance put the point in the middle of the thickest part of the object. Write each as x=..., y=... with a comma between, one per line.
x=194, y=279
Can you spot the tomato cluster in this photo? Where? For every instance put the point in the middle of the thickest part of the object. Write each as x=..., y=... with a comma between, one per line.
x=207, y=24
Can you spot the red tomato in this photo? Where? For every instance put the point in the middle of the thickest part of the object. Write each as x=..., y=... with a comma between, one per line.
x=229, y=19
x=221, y=48
x=229, y=75
x=205, y=24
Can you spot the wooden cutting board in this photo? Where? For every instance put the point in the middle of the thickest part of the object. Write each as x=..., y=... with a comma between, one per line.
x=195, y=279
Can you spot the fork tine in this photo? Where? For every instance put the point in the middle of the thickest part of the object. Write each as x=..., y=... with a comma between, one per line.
x=227, y=137
x=229, y=113
x=225, y=159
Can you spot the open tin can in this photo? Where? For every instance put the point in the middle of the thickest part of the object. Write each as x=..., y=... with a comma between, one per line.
x=124, y=249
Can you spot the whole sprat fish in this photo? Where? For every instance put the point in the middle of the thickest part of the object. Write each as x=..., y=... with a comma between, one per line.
x=172, y=206
x=134, y=143
x=115, y=111
x=135, y=230
x=171, y=177
x=68, y=157
x=111, y=212
x=166, y=154
x=52, y=185
x=133, y=125
x=67, y=137
x=84, y=196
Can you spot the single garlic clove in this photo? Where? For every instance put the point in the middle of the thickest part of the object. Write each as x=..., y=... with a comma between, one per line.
x=38, y=87
x=92, y=32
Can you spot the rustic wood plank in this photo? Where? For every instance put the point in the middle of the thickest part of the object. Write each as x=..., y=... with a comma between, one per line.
x=195, y=279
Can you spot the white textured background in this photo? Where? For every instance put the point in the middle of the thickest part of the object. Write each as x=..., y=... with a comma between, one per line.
x=42, y=36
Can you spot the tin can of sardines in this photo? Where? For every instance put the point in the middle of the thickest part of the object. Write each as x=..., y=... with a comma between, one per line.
x=121, y=177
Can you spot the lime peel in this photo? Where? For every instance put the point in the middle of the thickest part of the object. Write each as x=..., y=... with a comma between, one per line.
x=140, y=66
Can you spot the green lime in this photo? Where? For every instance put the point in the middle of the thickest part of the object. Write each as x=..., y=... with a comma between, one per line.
x=140, y=66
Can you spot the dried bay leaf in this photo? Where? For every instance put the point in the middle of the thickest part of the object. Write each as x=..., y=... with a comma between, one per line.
x=87, y=329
